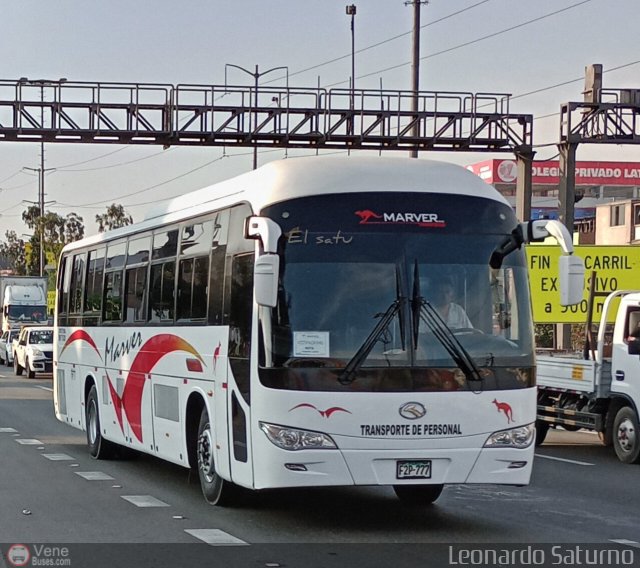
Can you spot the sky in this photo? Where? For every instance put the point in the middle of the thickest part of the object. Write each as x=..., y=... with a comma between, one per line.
x=536, y=51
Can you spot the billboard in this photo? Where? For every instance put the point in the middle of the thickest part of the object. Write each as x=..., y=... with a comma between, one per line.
x=616, y=268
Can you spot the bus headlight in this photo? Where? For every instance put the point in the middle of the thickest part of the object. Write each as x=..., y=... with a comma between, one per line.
x=295, y=439
x=521, y=437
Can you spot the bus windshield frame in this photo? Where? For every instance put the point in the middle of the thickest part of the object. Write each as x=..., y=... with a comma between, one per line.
x=357, y=287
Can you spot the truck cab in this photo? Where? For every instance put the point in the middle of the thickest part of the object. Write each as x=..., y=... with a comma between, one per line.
x=600, y=388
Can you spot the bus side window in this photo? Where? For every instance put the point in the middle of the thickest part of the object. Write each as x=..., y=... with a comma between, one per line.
x=75, y=289
x=64, y=283
x=216, y=274
x=136, y=294
x=112, y=304
x=241, y=306
x=161, y=292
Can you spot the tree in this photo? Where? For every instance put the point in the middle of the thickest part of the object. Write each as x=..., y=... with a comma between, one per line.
x=13, y=249
x=56, y=230
x=114, y=218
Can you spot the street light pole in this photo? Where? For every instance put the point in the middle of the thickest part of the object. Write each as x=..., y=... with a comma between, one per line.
x=256, y=75
x=351, y=11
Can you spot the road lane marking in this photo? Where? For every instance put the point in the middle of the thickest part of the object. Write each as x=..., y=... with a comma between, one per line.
x=216, y=537
x=93, y=475
x=59, y=457
x=7, y=430
x=28, y=441
x=44, y=388
x=144, y=501
x=625, y=542
x=576, y=462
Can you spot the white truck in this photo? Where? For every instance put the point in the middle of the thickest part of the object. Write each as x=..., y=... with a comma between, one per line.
x=24, y=301
x=599, y=390
x=33, y=351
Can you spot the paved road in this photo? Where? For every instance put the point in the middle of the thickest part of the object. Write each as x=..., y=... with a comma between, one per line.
x=51, y=491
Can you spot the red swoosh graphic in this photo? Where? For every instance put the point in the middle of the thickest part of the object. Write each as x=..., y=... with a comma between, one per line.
x=329, y=411
x=150, y=353
x=80, y=335
x=324, y=413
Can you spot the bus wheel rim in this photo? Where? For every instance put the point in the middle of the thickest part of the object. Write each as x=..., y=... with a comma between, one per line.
x=205, y=455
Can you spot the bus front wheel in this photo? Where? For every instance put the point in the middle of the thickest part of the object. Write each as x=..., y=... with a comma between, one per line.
x=417, y=495
x=216, y=491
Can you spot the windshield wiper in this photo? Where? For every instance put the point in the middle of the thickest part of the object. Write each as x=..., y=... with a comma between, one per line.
x=449, y=341
x=396, y=308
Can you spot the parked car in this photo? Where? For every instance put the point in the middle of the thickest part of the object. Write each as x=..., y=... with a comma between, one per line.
x=6, y=346
x=33, y=351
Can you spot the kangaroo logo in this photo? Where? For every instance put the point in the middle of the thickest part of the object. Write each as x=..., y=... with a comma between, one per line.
x=506, y=408
x=366, y=215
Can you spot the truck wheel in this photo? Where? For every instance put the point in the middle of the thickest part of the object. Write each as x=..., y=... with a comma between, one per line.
x=626, y=437
x=216, y=491
x=418, y=495
x=16, y=367
x=31, y=374
x=99, y=448
x=542, y=428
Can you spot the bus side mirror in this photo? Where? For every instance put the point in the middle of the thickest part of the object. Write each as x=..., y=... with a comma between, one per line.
x=265, y=277
x=571, y=276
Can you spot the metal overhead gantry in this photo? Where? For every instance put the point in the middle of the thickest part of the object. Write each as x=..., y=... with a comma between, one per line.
x=606, y=116
x=258, y=116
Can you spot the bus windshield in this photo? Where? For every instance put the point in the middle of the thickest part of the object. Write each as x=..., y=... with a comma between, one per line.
x=397, y=300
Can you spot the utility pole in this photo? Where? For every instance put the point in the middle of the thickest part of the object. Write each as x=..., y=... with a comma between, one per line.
x=415, y=67
x=256, y=75
x=42, y=83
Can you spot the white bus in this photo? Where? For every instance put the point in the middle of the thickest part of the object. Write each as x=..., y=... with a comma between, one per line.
x=280, y=329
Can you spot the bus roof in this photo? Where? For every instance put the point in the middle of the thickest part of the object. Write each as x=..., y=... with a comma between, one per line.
x=315, y=175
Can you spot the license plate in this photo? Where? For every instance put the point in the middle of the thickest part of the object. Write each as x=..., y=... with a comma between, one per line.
x=413, y=469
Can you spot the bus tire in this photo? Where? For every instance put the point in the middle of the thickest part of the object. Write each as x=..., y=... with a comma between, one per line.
x=418, y=495
x=626, y=436
x=542, y=428
x=16, y=367
x=216, y=491
x=30, y=373
x=99, y=448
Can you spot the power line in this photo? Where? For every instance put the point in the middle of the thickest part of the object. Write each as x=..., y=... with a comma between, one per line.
x=471, y=42
x=361, y=50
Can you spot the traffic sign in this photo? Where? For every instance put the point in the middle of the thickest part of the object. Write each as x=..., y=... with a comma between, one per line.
x=616, y=268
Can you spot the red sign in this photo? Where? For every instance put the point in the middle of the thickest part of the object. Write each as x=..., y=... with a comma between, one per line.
x=547, y=173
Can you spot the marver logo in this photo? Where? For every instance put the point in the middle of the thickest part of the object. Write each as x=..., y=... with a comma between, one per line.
x=421, y=219
x=18, y=555
x=366, y=215
x=412, y=410
x=324, y=413
x=506, y=408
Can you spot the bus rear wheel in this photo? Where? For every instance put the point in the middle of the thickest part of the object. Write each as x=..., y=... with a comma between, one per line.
x=216, y=491
x=99, y=448
x=626, y=437
x=418, y=495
